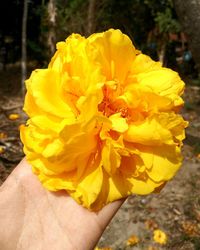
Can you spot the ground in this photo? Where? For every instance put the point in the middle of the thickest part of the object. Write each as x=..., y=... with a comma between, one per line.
x=175, y=210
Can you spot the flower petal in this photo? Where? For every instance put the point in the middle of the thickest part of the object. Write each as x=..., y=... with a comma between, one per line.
x=89, y=187
x=115, y=52
x=164, y=82
x=44, y=87
x=111, y=159
x=119, y=124
x=148, y=132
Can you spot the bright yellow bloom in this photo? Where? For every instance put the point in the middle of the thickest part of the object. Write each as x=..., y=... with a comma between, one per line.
x=103, y=120
x=160, y=236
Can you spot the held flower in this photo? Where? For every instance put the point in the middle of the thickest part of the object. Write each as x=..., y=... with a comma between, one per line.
x=104, y=120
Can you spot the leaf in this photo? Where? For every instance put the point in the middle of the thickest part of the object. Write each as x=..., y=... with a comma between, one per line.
x=190, y=228
x=151, y=224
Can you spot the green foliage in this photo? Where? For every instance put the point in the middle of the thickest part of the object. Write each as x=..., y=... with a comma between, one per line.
x=158, y=6
x=37, y=29
x=131, y=16
x=164, y=15
x=71, y=17
x=166, y=22
x=35, y=51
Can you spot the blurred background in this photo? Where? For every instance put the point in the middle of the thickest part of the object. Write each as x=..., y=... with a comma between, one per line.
x=166, y=30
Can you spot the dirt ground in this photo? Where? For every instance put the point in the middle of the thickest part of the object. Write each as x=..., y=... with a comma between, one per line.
x=175, y=211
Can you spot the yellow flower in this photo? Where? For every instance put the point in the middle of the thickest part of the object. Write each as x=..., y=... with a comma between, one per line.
x=3, y=135
x=159, y=237
x=13, y=116
x=133, y=240
x=104, y=120
x=1, y=150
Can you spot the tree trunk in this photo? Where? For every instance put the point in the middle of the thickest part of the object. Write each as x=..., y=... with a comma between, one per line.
x=161, y=53
x=24, y=42
x=91, y=23
x=51, y=40
x=188, y=12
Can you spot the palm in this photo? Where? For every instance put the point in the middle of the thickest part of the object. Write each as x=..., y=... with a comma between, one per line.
x=38, y=219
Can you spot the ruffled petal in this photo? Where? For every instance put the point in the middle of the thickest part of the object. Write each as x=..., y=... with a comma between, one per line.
x=114, y=51
x=89, y=187
x=148, y=132
x=44, y=86
x=164, y=82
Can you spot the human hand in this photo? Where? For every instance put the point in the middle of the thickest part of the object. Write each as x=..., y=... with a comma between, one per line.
x=31, y=217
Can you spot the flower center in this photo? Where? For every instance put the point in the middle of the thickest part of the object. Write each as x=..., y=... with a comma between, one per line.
x=110, y=105
x=106, y=105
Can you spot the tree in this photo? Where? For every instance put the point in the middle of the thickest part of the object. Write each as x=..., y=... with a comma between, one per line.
x=91, y=17
x=24, y=45
x=189, y=16
x=51, y=40
x=166, y=22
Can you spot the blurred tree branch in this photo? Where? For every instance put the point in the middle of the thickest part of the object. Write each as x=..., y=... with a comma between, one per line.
x=52, y=13
x=24, y=46
x=91, y=17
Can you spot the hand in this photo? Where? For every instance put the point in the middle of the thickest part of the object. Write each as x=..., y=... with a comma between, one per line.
x=33, y=218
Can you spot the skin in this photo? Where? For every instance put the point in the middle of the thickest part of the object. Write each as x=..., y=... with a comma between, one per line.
x=33, y=218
